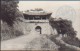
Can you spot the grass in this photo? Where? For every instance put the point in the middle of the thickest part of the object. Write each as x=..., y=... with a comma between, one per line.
x=62, y=46
x=73, y=41
x=8, y=32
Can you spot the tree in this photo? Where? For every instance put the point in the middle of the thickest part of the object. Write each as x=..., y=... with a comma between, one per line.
x=8, y=10
x=63, y=26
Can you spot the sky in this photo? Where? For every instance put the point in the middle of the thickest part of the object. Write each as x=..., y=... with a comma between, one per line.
x=65, y=9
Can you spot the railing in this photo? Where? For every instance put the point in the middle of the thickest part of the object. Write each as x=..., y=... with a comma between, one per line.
x=32, y=21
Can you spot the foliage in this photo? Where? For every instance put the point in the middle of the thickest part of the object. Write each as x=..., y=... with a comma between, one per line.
x=62, y=46
x=8, y=10
x=8, y=32
x=73, y=41
x=63, y=26
x=10, y=20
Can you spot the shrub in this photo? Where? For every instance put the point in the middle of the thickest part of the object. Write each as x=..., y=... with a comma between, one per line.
x=73, y=41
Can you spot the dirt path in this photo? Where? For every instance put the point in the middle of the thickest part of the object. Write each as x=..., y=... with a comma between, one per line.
x=18, y=43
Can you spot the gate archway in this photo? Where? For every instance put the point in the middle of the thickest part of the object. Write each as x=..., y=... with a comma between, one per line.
x=38, y=29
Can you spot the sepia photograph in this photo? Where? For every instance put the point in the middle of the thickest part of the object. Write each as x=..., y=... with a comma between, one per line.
x=40, y=25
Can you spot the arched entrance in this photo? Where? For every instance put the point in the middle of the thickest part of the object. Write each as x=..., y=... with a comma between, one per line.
x=38, y=29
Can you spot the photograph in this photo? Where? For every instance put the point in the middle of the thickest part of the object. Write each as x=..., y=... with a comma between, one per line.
x=40, y=25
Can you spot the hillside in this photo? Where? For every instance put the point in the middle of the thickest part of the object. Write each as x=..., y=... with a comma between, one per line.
x=63, y=45
x=38, y=42
x=29, y=42
x=8, y=32
x=42, y=43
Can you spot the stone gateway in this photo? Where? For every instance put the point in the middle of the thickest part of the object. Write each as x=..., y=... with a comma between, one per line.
x=38, y=21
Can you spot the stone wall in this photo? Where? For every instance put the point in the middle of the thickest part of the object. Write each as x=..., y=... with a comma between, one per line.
x=45, y=28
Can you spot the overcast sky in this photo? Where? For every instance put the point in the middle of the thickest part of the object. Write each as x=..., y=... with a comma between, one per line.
x=64, y=9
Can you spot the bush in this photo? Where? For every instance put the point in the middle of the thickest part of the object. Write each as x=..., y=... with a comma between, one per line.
x=63, y=26
x=62, y=46
x=8, y=10
x=73, y=41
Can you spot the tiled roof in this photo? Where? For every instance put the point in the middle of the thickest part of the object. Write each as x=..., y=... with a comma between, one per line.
x=37, y=12
x=33, y=13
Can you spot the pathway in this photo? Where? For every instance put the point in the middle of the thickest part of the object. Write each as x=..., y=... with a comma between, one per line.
x=18, y=43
